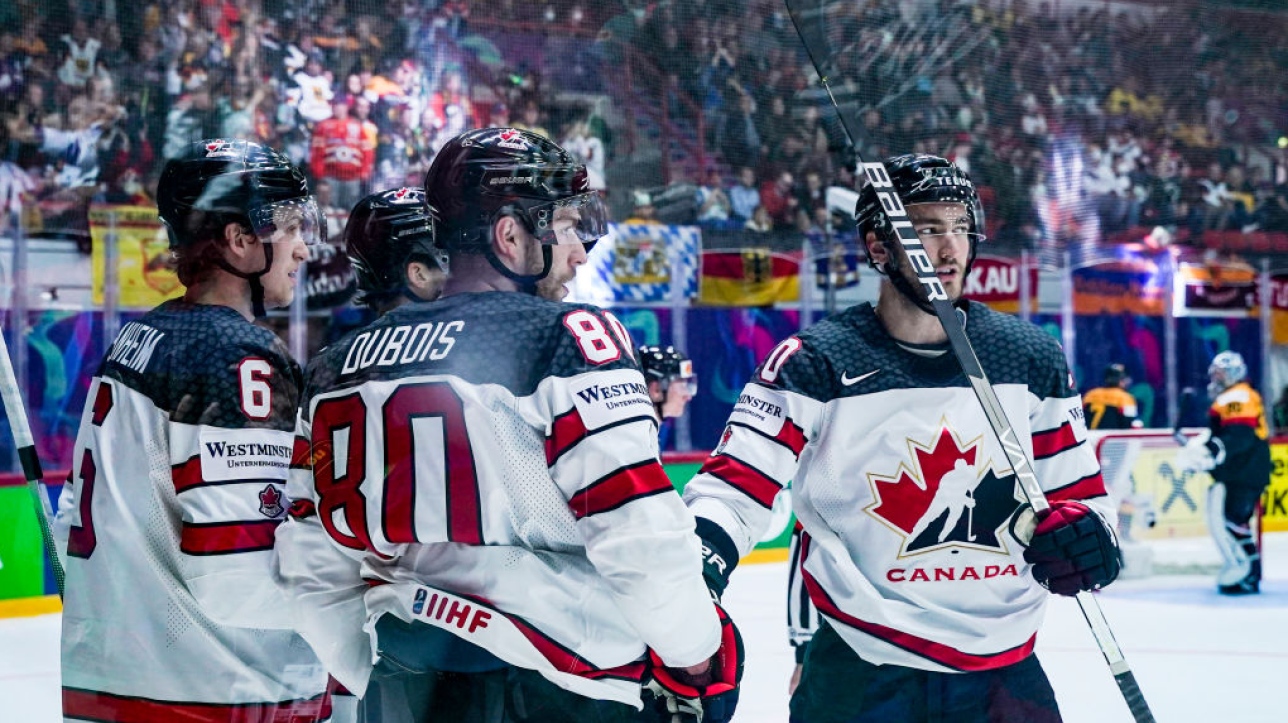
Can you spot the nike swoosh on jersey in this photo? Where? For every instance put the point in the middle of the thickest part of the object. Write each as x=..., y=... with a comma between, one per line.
x=850, y=381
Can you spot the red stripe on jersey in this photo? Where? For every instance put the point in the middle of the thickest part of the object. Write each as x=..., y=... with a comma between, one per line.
x=1093, y=485
x=187, y=475
x=938, y=652
x=624, y=485
x=1053, y=441
x=301, y=454
x=792, y=437
x=744, y=478
x=109, y=708
x=567, y=661
x=225, y=538
x=567, y=430
x=1253, y=422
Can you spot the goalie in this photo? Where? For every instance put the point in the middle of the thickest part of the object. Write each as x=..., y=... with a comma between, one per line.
x=1236, y=451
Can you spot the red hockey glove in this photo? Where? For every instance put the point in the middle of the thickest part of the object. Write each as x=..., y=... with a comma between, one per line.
x=676, y=697
x=1073, y=550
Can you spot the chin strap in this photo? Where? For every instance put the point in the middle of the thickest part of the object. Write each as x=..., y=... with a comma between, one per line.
x=527, y=282
x=256, y=287
x=890, y=269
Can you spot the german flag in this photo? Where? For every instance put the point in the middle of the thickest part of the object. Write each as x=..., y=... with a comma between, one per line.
x=748, y=277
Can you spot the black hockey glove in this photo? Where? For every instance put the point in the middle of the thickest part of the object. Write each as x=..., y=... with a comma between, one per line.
x=719, y=556
x=1072, y=549
x=677, y=697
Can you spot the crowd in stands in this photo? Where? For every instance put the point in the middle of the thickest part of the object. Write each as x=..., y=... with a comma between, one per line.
x=1078, y=120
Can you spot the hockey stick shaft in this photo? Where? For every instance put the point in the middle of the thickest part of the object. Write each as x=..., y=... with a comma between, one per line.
x=27, y=456
x=1182, y=405
x=920, y=261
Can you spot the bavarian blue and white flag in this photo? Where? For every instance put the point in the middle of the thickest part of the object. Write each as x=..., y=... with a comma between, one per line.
x=634, y=264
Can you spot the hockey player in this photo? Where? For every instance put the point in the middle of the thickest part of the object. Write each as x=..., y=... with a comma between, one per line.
x=1111, y=406
x=671, y=384
x=389, y=239
x=180, y=465
x=866, y=413
x=1236, y=451
x=488, y=460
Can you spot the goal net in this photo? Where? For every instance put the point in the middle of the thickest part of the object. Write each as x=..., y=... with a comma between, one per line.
x=1161, y=507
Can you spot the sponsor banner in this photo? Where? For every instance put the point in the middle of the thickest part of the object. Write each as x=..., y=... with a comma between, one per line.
x=1178, y=496
x=749, y=277
x=1274, y=503
x=1215, y=290
x=1133, y=284
x=1279, y=308
x=995, y=280
x=143, y=272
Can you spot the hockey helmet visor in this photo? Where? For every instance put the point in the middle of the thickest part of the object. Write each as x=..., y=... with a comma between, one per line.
x=580, y=219
x=284, y=221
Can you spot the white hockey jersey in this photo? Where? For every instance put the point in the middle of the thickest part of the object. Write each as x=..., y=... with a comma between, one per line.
x=904, y=494
x=167, y=521
x=490, y=461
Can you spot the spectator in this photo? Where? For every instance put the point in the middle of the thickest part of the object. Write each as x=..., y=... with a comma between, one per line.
x=778, y=198
x=588, y=150
x=714, y=207
x=341, y=154
x=744, y=197
x=644, y=211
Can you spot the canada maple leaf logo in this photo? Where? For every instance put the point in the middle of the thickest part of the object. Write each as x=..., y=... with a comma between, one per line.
x=946, y=494
x=509, y=134
x=270, y=501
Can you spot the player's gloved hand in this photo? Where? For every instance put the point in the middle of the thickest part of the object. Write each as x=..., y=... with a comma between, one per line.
x=719, y=556
x=1071, y=548
x=1201, y=453
x=709, y=697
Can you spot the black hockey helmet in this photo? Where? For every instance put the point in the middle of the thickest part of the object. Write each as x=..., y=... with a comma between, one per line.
x=1115, y=374
x=920, y=178
x=385, y=231
x=484, y=174
x=665, y=365
x=215, y=181
x=231, y=179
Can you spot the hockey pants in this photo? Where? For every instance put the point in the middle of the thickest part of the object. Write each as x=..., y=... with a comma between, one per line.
x=423, y=677
x=837, y=686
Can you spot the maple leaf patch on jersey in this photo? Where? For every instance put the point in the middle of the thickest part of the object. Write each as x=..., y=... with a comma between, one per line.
x=270, y=502
x=946, y=494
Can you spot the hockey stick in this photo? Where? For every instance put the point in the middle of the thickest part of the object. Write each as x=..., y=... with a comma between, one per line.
x=1181, y=405
x=17, y=415
x=924, y=268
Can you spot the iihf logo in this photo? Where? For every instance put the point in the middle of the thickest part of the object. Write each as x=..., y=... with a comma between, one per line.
x=945, y=496
x=418, y=604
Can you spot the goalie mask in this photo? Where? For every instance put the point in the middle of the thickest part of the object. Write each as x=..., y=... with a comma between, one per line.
x=385, y=232
x=1226, y=370
x=482, y=175
x=216, y=182
x=917, y=178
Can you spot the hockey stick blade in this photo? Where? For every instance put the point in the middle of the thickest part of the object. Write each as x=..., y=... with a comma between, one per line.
x=1182, y=404
x=26, y=445
x=811, y=22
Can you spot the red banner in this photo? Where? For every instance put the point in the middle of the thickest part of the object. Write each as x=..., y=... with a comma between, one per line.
x=995, y=280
